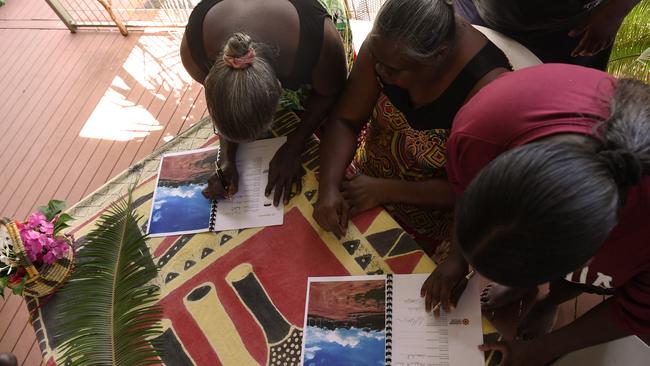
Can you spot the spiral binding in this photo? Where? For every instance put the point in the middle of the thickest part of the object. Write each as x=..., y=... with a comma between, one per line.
x=389, y=319
x=213, y=215
x=213, y=207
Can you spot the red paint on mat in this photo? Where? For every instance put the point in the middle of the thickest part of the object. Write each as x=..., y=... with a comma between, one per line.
x=404, y=264
x=164, y=245
x=363, y=220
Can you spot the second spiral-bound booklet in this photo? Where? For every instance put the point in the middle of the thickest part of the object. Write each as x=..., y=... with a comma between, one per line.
x=381, y=320
x=178, y=206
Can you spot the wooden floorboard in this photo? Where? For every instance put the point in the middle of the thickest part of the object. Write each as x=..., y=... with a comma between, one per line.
x=41, y=162
x=34, y=357
x=45, y=141
x=69, y=170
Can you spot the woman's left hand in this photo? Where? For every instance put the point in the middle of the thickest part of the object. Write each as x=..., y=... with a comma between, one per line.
x=363, y=193
x=516, y=353
x=285, y=169
x=598, y=32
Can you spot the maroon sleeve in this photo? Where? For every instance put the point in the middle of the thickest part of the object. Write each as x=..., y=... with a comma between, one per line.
x=632, y=306
x=466, y=156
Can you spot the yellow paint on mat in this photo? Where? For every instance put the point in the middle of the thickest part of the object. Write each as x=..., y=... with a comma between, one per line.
x=217, y=326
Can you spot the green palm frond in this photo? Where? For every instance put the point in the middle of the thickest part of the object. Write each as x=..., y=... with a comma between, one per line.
x=632, y=40
x=109, y=314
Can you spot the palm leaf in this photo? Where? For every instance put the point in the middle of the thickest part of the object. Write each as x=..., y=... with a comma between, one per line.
x=109, y=314
x=632, y=40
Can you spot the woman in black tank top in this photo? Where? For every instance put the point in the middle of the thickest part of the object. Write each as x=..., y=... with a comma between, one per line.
x=416, y=68
x=245, y=52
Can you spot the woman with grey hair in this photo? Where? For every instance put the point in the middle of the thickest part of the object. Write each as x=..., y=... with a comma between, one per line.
x=249, y=55
x=416, y=68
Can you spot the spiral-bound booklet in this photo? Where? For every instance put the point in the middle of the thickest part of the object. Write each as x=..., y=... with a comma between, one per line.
x=381, y=320
x=179, y=207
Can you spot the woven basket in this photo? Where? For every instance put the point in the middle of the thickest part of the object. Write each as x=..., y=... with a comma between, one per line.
x=47, y=278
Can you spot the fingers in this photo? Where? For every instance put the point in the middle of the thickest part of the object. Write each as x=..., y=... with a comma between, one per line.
x=287, y=190
x=344, y=215
x=277, y=193
x=445, y=296
x=354, y=211
x=425, y=286
x=273, y=177
x=298, y=185
x=498, y=347
x=433, y=294
x=215, y=188
x=583, y=45
x=577, y=31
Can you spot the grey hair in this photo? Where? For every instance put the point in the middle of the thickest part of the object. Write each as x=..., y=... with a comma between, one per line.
x=626, y=133
x=242, y=102
x=421, y=26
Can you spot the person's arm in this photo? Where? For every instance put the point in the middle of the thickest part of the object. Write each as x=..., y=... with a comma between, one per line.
x=600, y=28
x=363, y=193
x=340, y=141
x=328, y=80
x=593, y=328
x=188, y=62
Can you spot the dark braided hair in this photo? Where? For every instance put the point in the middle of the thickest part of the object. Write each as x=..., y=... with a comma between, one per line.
x=542, y=210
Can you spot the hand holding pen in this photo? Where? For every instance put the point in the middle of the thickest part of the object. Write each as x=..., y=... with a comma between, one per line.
x=445, y=285
x=224, y=182
x=457, y=290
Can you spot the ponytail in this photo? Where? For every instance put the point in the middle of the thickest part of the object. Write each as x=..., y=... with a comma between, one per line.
x=542, y=210
x=242, y=90
x=625, y=140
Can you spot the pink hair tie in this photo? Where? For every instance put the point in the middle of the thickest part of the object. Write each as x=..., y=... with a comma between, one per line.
x=240, y=62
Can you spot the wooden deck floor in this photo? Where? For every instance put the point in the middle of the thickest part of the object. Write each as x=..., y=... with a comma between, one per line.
x=76, y=110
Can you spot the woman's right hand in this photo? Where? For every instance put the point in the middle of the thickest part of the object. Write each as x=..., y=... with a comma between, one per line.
x=438, y=287
x=226, y=187
x=331, y=212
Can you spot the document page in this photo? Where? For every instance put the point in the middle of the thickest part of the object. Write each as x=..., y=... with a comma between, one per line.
x=250, y=207
x=419, y=339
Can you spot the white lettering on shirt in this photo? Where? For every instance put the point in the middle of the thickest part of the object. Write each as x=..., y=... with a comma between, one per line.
x=603, y=280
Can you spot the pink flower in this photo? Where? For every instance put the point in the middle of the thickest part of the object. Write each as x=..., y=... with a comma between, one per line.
x=40, y=246
x=28, y=235
x=35, y=219
x=46, y=227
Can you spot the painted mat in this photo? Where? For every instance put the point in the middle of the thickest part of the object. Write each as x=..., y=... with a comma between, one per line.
x=237, y=297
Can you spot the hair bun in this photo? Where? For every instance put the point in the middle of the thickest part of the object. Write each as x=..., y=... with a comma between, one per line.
x=238, y=53
x=237, y=45
x=626, y=168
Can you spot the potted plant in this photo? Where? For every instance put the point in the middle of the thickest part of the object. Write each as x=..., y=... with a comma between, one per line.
x=35, y=257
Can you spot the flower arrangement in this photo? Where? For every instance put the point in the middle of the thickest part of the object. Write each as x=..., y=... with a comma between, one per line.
x=42, y=242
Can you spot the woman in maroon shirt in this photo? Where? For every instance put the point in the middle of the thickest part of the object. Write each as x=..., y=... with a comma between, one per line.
x=551, y=163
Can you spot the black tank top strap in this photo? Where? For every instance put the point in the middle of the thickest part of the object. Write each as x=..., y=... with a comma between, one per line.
x=194, y=34
x=311, y=15
x=440, y=113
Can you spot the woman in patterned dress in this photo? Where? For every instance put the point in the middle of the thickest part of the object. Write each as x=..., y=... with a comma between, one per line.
x=415, y=69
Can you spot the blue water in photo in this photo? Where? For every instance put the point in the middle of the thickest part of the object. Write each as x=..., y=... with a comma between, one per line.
x=350, y=347
x=181, y=208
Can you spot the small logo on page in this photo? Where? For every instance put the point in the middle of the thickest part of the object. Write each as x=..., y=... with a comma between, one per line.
x=464, y=321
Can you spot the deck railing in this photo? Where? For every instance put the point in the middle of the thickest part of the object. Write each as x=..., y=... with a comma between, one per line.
x=123, y=13
x=155, y=13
